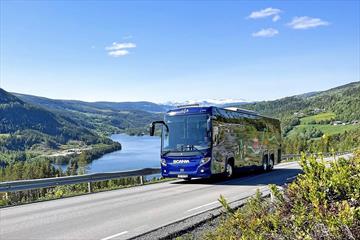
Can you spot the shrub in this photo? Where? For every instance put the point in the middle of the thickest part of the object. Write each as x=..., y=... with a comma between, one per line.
x=322, y=203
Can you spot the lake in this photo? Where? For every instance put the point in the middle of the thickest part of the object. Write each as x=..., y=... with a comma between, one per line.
x=137, y=152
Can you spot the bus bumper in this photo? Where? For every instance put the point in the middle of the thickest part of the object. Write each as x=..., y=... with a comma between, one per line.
x=203, y=171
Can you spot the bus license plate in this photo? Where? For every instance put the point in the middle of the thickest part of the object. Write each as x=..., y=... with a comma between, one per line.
x=182, y=176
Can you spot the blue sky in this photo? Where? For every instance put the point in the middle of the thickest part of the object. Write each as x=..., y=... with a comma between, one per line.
x=174, y=51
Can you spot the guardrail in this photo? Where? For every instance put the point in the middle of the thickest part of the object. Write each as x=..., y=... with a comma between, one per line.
x=87, y=178
x=22, y=185
x=291, y=156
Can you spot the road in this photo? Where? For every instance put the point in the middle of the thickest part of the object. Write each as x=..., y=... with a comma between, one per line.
x=125, y=213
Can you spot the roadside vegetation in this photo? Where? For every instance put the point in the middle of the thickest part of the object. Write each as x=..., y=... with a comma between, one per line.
x=322, y=203
x=44, y=194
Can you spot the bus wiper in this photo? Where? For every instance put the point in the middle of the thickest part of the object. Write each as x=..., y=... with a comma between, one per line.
x=165, y=152
x=195, y=148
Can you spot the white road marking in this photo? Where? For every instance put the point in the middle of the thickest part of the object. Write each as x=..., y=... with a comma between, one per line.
x=115, y=235
x=205, y=205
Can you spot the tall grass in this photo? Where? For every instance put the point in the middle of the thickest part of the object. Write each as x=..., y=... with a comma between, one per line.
x=322, y=203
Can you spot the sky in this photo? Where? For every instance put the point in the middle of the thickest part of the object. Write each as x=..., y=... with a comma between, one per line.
x=180, y=50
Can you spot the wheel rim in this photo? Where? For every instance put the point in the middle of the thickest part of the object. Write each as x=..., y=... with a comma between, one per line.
x=271, y=164
x=229, y=170
x=265, y=165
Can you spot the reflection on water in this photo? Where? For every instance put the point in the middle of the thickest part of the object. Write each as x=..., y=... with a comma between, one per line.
x=137, y=152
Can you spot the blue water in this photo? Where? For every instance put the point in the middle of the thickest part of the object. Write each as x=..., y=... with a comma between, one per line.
x=137, y=152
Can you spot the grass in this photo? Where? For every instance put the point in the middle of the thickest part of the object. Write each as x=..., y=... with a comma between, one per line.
x=74, y=190
x=4, y=135
x=326, y=129
x=318, y=117
x=322, y=203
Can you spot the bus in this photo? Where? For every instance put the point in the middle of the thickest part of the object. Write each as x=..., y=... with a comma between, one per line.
x=200, y=142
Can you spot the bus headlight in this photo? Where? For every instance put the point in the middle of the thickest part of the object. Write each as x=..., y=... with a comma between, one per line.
x=205, y=160
x=163, y=162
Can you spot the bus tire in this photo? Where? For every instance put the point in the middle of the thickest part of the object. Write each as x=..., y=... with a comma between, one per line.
x=229, y=169
x=187, y=179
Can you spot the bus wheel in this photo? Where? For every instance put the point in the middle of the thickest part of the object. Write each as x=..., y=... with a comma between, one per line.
x=229, y=170
x=187, y=179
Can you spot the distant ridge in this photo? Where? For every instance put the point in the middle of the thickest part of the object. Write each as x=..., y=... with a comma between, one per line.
x=17, y=115
x=92, y=106
x=341, y=100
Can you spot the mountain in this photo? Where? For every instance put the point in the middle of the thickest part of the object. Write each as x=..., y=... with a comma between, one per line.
x=38, y=125
x=318, y=121
x=96, y=107
x=93, y=107
x=210, y=102
x=29, y=128
x=103, y=117
x=17, y=115
x=344, y=101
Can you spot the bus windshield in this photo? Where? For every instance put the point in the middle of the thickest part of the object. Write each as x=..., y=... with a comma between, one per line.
x=186, y=133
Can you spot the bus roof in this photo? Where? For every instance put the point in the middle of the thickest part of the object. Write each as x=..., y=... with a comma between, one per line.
x=198, y=110
x=188, y=110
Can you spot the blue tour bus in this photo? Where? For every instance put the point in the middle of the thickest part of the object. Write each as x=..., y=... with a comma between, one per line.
x=198, y=142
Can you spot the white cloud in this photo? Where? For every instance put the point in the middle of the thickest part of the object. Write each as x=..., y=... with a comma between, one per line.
x=119, y=49
x=276, y=18
x=267, y=12
x=117, y=46
x=118, y=53
x=268, y=32
x=306, y=22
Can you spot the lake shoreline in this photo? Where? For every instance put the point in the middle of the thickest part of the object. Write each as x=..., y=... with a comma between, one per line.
x=136, y=152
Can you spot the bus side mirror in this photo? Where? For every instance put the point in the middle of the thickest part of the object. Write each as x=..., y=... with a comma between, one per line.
x=152, y=127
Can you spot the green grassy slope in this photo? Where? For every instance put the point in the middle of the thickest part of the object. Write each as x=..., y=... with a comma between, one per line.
x=327, y=116
x=325, y=129
x=344, y=101
x=341, y=103
x=307, y=119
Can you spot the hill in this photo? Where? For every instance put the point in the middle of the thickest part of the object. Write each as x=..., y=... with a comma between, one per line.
x=93, y=107
x=305, y=118
x=317, y=121
x=28, y=128
x=17, y=115
x=341, y=100
x=103, y=117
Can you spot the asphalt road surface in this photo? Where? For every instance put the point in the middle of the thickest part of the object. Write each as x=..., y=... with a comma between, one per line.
x=125, y=213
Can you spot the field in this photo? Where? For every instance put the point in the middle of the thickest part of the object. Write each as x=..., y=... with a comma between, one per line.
x=328, y=129
x=318, y=118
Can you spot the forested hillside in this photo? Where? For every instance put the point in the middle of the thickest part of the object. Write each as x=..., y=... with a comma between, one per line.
x=318, y=121
x=344, y=101
x=28, y=132
x=16, y=115
x=92, y=106
x=104, y=117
